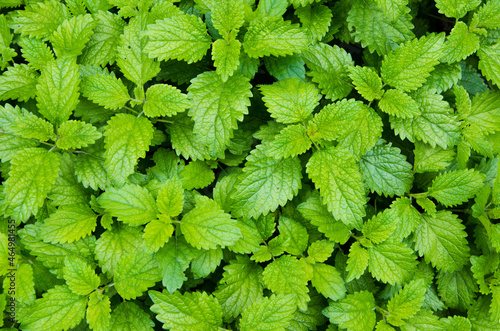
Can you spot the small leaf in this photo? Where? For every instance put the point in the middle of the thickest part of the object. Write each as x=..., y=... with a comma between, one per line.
x=354, y=312
x=76, y=134
x=455, y=187
x=79, y=276
x=135, y=274
x=164, y=100
x=268, y=314
x=290, y=100
x=180, y=37
x=188, y=311
x=131, y=204
x=273, y=36
x=207, y=226
x=68, y=223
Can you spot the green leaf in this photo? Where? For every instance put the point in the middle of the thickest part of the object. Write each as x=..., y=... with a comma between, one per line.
x=52, y=255
x=207, y=226
x=273, y=36
x=444, y=77
x=328, y=281
x=291, y=141
x=18, y=82
x=457, y=323
x=228, y=15
x=188, y=311
x=428, y=159
x=386, y=170
x=301, y=3
x=129, y=316
x=357, y=261
x=407, y=216
x=375, y=29
x=39, y=20
x=206, y=262
x=57, y=90
x=131, y=204
x=103, y=44
x=127, y=138
x=132, y=60
x=315, y=211
x=36, y=52
x=173, y=259
x=481, y=266
x=436, y=125
x=33, y=172
x=269, y=314
x=407, y=302
x=170, y=198
x=399, y=104
x=185, y=141
x=335, y=173
x=441, y=240
x=312, y=317
x=268, y=8
x=380, y=227
x=488, y=62
x=80, y=277
x=329, y=68
x=367, y=82
x=495, y=303
x=455, y=187
x=76, y=134
x=393, y=9
x=485, y=113
x=315, y=19
x=98, y=312
x=71, y=36
x=457, y=289
x=286, y=67
x=287, y=275
x=5, y=40
x=105, y=90
x=407, y=67
x=114, y=245
x=320, y=251
x=68, y=224
x=226, y=57
x=456, y=8
x=31, y=126
x=290, y=100
x=180, y=37
x=355, y=312
x=460, y=43
x=240, y=286
x=217, y=106
x=59, y=309
x=157, y=233
x=135, y=273
x=391, y=263
x=488, y=16
x=90, y=171
x=424, y=320
x=355, y=125
x=265, y=184
x=294, y=234
x=197, y=174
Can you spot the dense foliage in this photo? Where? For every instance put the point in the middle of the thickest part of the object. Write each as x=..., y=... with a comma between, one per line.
x=250, y=165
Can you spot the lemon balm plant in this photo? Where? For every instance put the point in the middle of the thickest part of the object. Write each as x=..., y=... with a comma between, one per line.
x=250, y=165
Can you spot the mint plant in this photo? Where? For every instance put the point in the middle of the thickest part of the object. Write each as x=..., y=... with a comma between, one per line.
x=250, y=165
